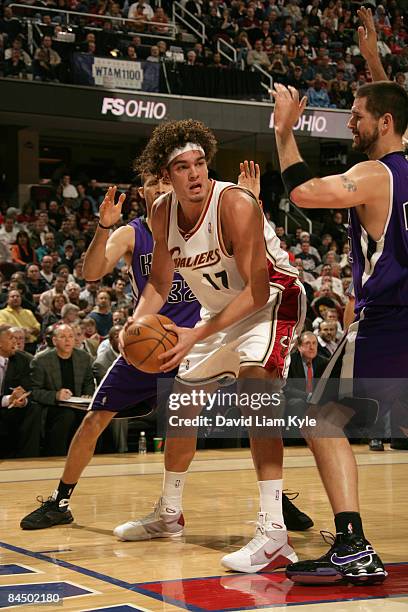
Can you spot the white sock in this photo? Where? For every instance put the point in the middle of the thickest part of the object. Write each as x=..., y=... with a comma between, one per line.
x=173, y=485
x=270, y=499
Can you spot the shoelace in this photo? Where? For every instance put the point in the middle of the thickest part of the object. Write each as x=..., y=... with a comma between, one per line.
x=42, y=501
x=291, y=495
x=259, y=539
x=328, y=537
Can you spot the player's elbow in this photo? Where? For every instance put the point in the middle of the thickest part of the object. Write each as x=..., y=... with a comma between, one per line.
x=315, y=194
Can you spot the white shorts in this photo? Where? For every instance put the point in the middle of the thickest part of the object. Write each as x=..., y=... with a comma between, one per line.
x=263, y=339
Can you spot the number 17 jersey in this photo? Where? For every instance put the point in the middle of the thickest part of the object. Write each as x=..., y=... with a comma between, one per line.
x=202, y=259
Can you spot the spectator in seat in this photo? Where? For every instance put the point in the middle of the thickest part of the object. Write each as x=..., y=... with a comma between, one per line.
x=46, y=298
x=139, y=19
x=72, y=291
x=77, y=272
x=16, y=316
x=49, y=246
x=327, y=311
x=326, y=339
x=107, y=39
x=295, y=79
x=195, y=7
x=9, y=230
x=88, y=345
x=46, y=270
x=27, y=300
x=120, y=298
x=145, y=7
x=69, y=314
x=217, y=61
x=46, y=61
x=21, y=252
x=68, y=189
x=317, y=96
x=326, y=275
x=10, y=25
x=15, y=66
x=160, y=22
x=212, y=23
x=154, y=54
x=53, y=315
x=191, y=58
x=36, y=284
x=90, y=292
x=243, y=46
x=19, y=339
x=69, y=255
x=20, y=418
x=119, y=316
x=278, y=70
x=336, y=228
x=57, y=375
x=131, y=55
x=310, y=261
x=89, y=328
x=102, y=314
x=306, y=367
x=64, y=233
x=38, y=232
x=258, y=56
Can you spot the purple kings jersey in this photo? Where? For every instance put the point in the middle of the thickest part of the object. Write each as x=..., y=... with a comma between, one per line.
x=181, y=306
x=380, y=268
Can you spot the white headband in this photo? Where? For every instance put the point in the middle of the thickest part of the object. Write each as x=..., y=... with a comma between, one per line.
x=189, y=146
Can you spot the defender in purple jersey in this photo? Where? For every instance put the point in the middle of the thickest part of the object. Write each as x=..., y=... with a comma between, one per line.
x=377, y=194
x=123, y=386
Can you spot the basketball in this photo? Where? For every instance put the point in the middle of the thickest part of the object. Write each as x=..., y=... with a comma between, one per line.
x=146, y=339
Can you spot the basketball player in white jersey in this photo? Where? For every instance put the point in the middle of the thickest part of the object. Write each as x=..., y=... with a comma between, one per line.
x=216, y=236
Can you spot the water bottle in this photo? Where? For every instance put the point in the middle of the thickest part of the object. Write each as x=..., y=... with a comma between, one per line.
x=142, y=443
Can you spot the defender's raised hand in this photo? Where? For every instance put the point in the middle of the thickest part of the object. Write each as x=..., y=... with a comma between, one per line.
x=250, y=177
x=288, y=108
x=109, y=212
x=367, y=36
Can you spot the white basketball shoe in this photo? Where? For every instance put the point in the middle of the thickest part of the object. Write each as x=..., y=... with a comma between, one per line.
x=163, y=522
x=268, y=550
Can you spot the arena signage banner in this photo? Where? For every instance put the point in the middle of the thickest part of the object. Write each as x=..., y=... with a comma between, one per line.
x=147, y=109
x=69, y=103
x=320, y=123
x=117, y=73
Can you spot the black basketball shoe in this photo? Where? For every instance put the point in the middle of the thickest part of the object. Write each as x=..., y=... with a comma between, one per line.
x=350, y=559
x=295, y=519
x=50, y=513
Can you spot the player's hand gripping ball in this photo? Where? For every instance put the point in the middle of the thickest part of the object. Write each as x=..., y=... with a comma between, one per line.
x=146, y=339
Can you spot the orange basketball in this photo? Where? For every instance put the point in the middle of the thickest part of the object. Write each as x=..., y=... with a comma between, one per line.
x=146, y=339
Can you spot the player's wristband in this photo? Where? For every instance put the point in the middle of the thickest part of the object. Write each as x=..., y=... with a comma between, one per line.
x=104, y=226
x=296, y=175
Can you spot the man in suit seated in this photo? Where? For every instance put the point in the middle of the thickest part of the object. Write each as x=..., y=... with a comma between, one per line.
x=327, y=342
x=58, y=374
x=20, y=418
x=306, y=367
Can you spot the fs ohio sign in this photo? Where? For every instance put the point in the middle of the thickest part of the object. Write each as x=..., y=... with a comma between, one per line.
x=139, y=109
x=311, y=124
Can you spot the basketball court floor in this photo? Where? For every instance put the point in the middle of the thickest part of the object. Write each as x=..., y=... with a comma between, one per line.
x=84, y=567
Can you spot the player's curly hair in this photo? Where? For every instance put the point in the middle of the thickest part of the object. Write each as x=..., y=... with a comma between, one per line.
x=169, y=136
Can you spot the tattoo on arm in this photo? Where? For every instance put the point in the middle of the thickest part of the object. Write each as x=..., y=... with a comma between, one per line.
x=348, y=183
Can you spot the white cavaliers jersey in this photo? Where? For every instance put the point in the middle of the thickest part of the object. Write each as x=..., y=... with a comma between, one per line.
x=201, y=258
